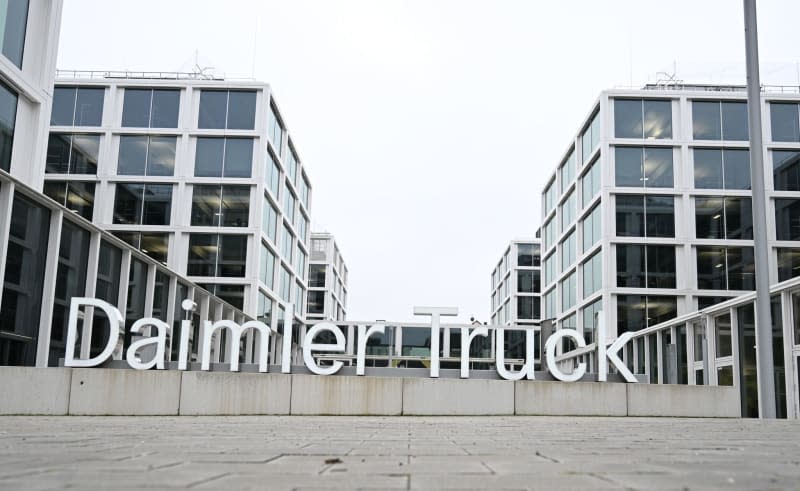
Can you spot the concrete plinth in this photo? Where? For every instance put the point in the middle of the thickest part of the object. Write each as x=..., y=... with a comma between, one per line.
x=314, y=394
x=683, y=400
x=215, y=393
x=426, y=396
x=570, y=399
x=28, y=390
x=99, y=391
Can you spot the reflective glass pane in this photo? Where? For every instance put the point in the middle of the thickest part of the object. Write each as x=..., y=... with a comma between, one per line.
x=241, y=110
x=631, y=310
x=788, y=265
x=85, y=152
x=238, y=157
x=14, y=13
x=707, y=168
x=155, y=245
x=213, y=109
x=205, y=205
x=128, y=203
x=630, y=215
x=658, y=167
x=709, y=218
x=166, y=106
x=661, y=270
x=56, y=190
x=136, y=108
x=235, y=206
x=737, y=168
x=63, y=112
x=785, y=122
x=627, y=118
x=660, y=211
x=132, y=155
x=628, y=166
x=786, y=170
x=8, y=117
x=157, y=204
x=657, y=119
x=734, y=121
x=208, y=157
x=706, y=123
x=89, y=107
x=661, y=309
x=711, y=268
x=58, y=148
x=722, y=325
x=232, y=256
x=161, y=156
x=202, y=255
x=787, y=219
x=741, y=268
x=80, y=198
x=738, y=218
x=631, y=266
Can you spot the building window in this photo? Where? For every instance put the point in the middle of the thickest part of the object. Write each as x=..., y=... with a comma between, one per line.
x=568, y=251
x=316, y=302
x=528, y=255
x=69, y=153
x=288, y=202
x=272, y=175
x=651, y=119
x=550, y=269
x=550, y=304
x=267, y=269
x=568, y=211
x=592, y=274
x=786, y=170
x=217, y=255
x=227, y=109
x=299, y=298
x=270, y=220
x=567, y=171
x=73, y=261
x=23, y=282
x=646, y=266
x=74, y=106
x=109, y=266
x=590, y=320
x=154, y=244
x=275, y=129
x=146, y=155
x=643, y=167
x=591, y=228
x=645, y=216
x=719, y=168
x=316, y=275
x=300, y=263
x=719, y=120
x=725, y=268
x=568, y=292
x=8, y=118
x=12, y=31
x=233, y=294
x=264, y=313
x=304, y=191
x=143, y=204
x=528, y=281
x=287, y=244
x=75, y=195
x=220, y=206
x=223, y=157
x=636, y=312
x=723, y=218
x=784, y=121
x=590, y=183
x=151, y=108
x=550, y=197
x=528, y=308
x=591, y=137
x=549, y=233
x=286, y=284
x=291, y=163
x=788, y=263
x=302, y=227
x=787, y=219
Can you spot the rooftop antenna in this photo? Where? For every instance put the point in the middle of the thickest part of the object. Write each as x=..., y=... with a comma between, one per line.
x=201, y=72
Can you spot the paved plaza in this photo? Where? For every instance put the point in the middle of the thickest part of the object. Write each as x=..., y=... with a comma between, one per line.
x=291, y=452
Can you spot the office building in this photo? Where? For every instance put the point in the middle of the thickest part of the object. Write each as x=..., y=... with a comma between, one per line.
x=516, y=285
x=327, y=280
x=198, y=173
x=647, y=216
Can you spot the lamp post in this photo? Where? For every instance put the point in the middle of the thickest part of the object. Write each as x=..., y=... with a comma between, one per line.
x=766, y=368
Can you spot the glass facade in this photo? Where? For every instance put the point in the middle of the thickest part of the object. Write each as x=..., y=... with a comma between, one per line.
x=636, y=312
x=719, y=120
x=220, y=206
x=787, y=218
x=13, y=26
x=645, y=216
x=74, y=106
x=718, y=168
x=646, y=266
x=725, y=268
x=223, y=157
x=227, y=109
x=217, y=255
x=143, y=204
x=8, y=118
x=72, y=153
x=75, y=195
x=649, y=167
x=141, y=155
x=151, y=108
x=784, y=122
x=723, y=218
x=637, y=118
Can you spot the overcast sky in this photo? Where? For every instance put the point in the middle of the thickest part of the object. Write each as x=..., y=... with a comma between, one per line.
x=427, y=127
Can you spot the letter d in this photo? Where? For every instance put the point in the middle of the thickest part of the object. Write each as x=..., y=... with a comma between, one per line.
x=115, y=322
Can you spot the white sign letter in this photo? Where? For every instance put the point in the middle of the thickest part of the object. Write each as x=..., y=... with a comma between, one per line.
x=286, y=351
x=160, y=340
x=528, y=368
x=115, y=323
x=236, y=331
x=466, y=342
x=361, y=350
x=308, y=347
x=604, y=354
x=435, y=313
x=550, y=354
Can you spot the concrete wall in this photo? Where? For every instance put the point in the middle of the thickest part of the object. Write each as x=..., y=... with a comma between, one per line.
x=98, y=391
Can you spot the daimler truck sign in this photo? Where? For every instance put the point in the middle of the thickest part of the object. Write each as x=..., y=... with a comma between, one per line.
x=158, y=344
